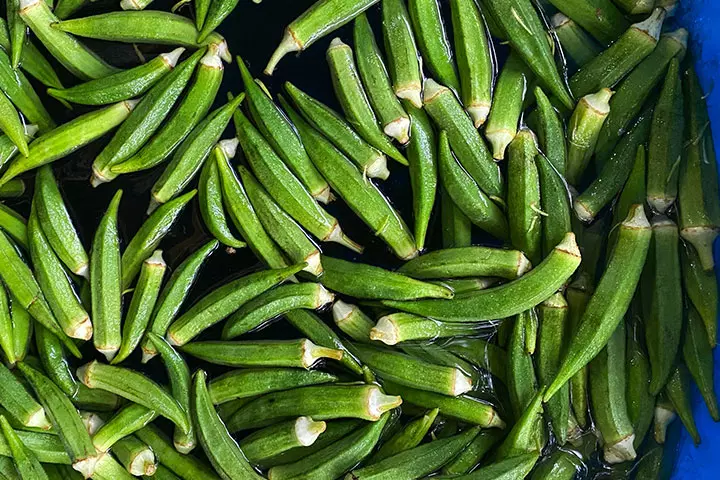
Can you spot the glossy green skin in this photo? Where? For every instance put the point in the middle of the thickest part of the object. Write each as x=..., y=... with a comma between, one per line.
x=32, y=61
x=145, y=119
x=576, y=43
x=401, y=50
x=508, y=469
x=520, y=372
x=128, y=449
x=149, y=236
x=14, y=225
x=524, y=196
x=125, y=422
x=26, y=462
x=601, y=18
x=561, y=465
x=633, y=193
x=649, y=465
x=551, y=132
x=615, y=171
x=467, y=195
x=610, y=300
x=68, y=138
x=66, y=8
x=54, y=361
x=223, y=301
x=115, y=88
x=19, y=90
x=466, y=262
x=527, y=434
x=640, y=402
x=95, y=400
x=211, y=201
x=678, y=392
x=473, y=454
x=15, y=398
x=184, y=466
x=555, y=202
x=191, y=110
x=633, y=92
x=409, y=437
x=62, y=413
x=702, y=290
x=246, y=383
x=698, y=357
x=11, y=125
x=73, y=55
x=269, y=442
x=465, y=141
x=217, y=12
x=6, y=329
x=484, y=355
x=506, y=300
x=22, y=329
x=13, y=189
x=56, y=223
x=456, y=227
x=175, y=292
x=284, y=353
x=48, y=448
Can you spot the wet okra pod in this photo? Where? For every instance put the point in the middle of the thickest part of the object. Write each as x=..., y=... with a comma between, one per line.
x=403, y=57
x=125, y=422
x=97, y=400
x=262, y=353
x=520, y=376
x=321, y=402
x=18, y=402
x=352, y=321
x=666, y=142
x=428, y=24
x=554, y=202
x=279, y=438
x=560, y=465
x=246, y=383
x=507, y=102
x=375, y=79
x=698, y=357
x=122, y=85
x=677, y=391
x=527, y=435
x=320, y=19
x=514, y=467
x=466, y=142
x=14, y=225
x=185, y=466
x=69, y=137
x=149, y=236
x=473, y=454
x=26, y=462
x=551, y=132
x=7, y=343
x=353, y=99
x=13, y=189
x=456, y=226
x=65, y=420
x=611, y=298
x=600, y=18
x=20, y=91
x=662, y=300
x=135, y=456
x=47, y=447
x=409, y=437
x=508, y=299
x=583, y=132
x=11, y=125
x=527, y=36
x=610, y=66
x=481, y=354
x=54, y=360
x=216, y=13
x=701, y=289
x=279, y=132
x=149, y=26
x=468, y=262
x=524, y=214
x=144, y=121
x=640, y=402
x=22, y=328
x=578, y=46
x=223, y=301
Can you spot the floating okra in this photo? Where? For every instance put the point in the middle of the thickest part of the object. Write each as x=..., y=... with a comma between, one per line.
x=11, y=125
x=601, y=18
x=403, y=58
x=527, y=435
x=14, y=225
x=640, y=402
x=468, y=262
x=125, y=422
x=409, y=437
x=22, y=94
x=698, y=356
x=18, y=402
x=678, y=392
x=524, y=214
x=456, y=226
x=577, y=45
x=246, y=383
x=584, y=130
x=276, y=439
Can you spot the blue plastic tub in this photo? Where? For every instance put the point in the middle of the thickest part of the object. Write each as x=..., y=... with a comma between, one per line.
x=685, y=461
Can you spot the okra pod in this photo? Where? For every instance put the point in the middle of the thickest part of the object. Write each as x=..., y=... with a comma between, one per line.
x=701, y=289
x=409, y=437
x=246, y=383
x=19, y=90
x=577, y=45
x=510, y=468
x=698, y=357
x=97, y=400
x=26, y=462
x=185, y=466
x=279, y=438
x=402, y=327
x=560, y=465
x=18, y=402
x=7, y=343
x=11, y=125
x=47, y=447
x=137, y=458
x=473, y=454
x=555, y=202
x=403, y=57
x=468, y=262
x=54, y=361
x=32, y=60
x=520, y=372
x=14, y=225
x=640, y=402
x=601, y=18
x=551, y=132
x=456, y=226
x=481, y=354
x=216, y=13
x=125, y=422
x=583, y=132
x=352, y=321
x=678, y=392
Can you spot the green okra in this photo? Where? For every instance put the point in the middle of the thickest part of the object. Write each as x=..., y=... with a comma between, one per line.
x=614, y=63
x=508, y=299
x=108, y=468
x=56, y=285
x=18, y=402
x=186, y=116
x=13, y=189
x=7, y=343
x=418, y=461
x=403, y=58
x=162, y=473
x=191, y=153
x=466, y=142
x=54, y=361
x=611, y=298
x=337, y=458
x=69, y=137
x=32, y=60
x=607, y=382
x=223, y=301
x=70, y=52
x=527, y=36
x=649, y=465
x=65, y=419
x=279, y=438
x=508, y=469
x=17, y=31
x=26, y=462
x=122, y=85
x=271, y=304
x=371, y=161
x=554, y=202
x=21, y=283
x=216, y=13
x=456, y=227
x=632, y=193
x=57, y=224
x=402, y=327
x=422, y=157
x=144, y=121
x=22, y=94
x=285, y=188
x=640, y=402
x=373, y=73
x=560, y=465
x=66, y=8
x=125, y=422
x=142, y=304
x=148, y=237
x=464, y=285
x=149, y=26
x=474, y=57
x=280, y=226
x=551, y=133
x=97, y=400
x=210, y=195
x=245, y=383
x=47, y=447
x=11, y=125
x=666, y=142
x=135, y=456
x=507, y=102
x=524, y=214
x=409, y=437
x=527, y=435
x=662, y=301
x=614, y=172
x=317, y=21
x=353, y=99
x=22, y=332
x=577, y=45
x=468, y=262
x=135, y=387
x=601, y=18
x=520, y=373
x=106, y=282
x=481, y=354
x=634, y=90
x=280, y=133
x=8, y=149
x=466, y=194
x=432, y=41
x=698, y=357
x=583, y=132
x=184, y=466
x=473, y=454
x=370, y=282
x=352, y=321
x=677, y=391
x=699, y=216
x=701, y=288
x=14, y=225
x=553, y=315
x=262, y=353
x=320, y=402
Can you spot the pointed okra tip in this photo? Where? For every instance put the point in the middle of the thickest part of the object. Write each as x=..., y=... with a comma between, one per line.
x=171, y=58
x=652, y=26
x=308, y=430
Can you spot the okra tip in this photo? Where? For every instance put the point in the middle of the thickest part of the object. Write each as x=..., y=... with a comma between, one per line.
x=662, y=418
x=377, y=168
x=621, y=451
x=379, y=403
x=24, y=4
x=308, y=430
x=39, y=420
x=288, y=44
x=559, y=19
x=341, y=311
x=702, y=239
x=479, y=113
x=461, y=383
x=636, y=218
x=653, y=24
x=82, y=330
x=599, y=102
x=229, y=147
x=143, y=464
x=86, y=466
x=171, y=58
x=212, y=59
x=524, y=265
x=680, y=36
x=670, y=7
x=312, y=353
x=337, y=43
x=431, y=90
x=569, y=245
x=398, y=129
x=385, y=330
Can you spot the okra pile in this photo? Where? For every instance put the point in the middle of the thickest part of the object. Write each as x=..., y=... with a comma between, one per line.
x=551, y=296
